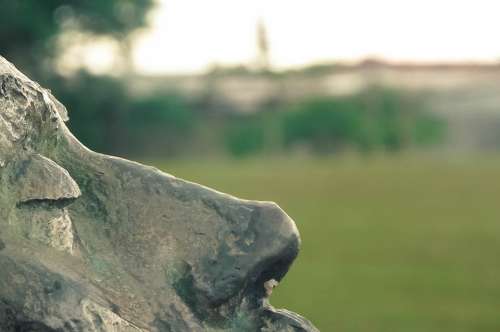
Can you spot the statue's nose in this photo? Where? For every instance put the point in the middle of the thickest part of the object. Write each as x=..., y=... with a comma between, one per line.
x=278, y=236
x=262, y=243
x=277, y=247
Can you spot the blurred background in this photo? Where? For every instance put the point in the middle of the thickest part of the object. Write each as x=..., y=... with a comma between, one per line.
x=374, y=124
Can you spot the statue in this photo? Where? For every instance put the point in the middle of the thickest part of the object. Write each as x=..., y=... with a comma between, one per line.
x=90, y=242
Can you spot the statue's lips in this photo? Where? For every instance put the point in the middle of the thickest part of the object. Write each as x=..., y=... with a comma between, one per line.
x=267, y=276
x=271, y=270
x=284, y=320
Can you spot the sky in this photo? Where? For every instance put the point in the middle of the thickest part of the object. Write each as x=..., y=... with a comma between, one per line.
x=188, y=36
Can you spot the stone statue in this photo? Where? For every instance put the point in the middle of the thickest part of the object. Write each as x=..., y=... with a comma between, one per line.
x=90, y=242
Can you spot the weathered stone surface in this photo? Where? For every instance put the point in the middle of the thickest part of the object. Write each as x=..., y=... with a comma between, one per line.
x=95, y=243
x=104, y=320
x=38, y=178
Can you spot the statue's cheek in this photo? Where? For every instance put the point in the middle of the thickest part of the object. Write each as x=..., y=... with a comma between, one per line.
x=45, y=225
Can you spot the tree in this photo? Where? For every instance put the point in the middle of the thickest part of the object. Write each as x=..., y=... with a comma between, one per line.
x=29, y=35
x=29, y=28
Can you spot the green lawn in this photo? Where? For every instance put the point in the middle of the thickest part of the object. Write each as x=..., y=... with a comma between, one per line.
x=389, y=244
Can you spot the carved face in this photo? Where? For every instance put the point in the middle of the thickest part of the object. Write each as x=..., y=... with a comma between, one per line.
x=90, y=242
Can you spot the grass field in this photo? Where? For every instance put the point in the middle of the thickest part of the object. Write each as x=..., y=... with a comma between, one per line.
x=389, y=244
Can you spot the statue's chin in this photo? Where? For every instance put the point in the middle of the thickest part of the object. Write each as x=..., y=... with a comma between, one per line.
x=267, y=318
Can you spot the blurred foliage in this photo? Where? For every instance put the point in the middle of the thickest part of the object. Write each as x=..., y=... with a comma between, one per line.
x=29, y=28
x=376, y=118
x=161, y=123
x=115, y=121
x=324, y=123
x=95, y=119
x=429, y=130
x=172, y=124
x=244, y=137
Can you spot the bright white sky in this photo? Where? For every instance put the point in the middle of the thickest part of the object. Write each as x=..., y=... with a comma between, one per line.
x=189, y=35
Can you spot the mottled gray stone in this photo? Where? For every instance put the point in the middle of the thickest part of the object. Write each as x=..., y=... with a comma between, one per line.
x=96, y=243
x=39, y=178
